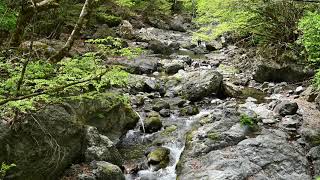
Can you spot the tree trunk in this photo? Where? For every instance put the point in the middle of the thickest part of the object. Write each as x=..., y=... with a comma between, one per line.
x=85, y=13
x=29, y=9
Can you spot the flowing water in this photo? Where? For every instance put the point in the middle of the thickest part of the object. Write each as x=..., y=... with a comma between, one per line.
x=176, y=146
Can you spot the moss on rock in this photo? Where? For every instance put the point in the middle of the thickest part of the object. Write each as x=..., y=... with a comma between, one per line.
x=189, y=111
x=152, y=123
x=159, y=157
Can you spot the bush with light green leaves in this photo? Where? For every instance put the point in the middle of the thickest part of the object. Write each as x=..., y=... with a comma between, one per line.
x=270, y=22
x=310, y=38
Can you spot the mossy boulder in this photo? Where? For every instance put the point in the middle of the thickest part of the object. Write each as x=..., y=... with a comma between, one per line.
x=160, y=104
x=105, y=112
x=105, y=170
x=189, y=111
x=168, y=130
x=152, y=123
x=159, y=157
x=43, y=144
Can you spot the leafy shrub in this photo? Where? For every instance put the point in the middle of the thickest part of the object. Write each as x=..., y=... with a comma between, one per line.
x=126, y=3
x=110, y=20
x=246, y=120
x=111, y=46
x=217, y=17
x=310, y=27
x=265, y=21
x=4, y=169
x=310, y=38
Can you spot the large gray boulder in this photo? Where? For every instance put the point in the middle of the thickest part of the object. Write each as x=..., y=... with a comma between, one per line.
x=105, y=171
x=220, y=148
x=268, y=156
x=139, y=65
x=126, y=30
x=178, y=23
x=140, y=83
x=152, y=123
x=199, y=84
x=95, y=170
x=286, y=108
x=276, y=72
x=43, y=144
x=310, y=94
x=158, y=157
x=163, y=47
x=165, y=37
x=173, y=66
x=100, y=148
x=105, y=112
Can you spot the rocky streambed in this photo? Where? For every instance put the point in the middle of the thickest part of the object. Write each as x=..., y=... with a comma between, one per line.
x=197, y=112
x=192, y=110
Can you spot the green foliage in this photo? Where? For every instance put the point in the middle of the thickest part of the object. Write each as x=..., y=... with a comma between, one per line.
x=152, y=8
x=246, y=120
x=42, y=76
x=8, y=17
x=310, y=27
x=126, y=3
x=266, y=22
x=217, y=17
x=103, y=15
x=310, y=38
x=115, y=47
x=5, y=168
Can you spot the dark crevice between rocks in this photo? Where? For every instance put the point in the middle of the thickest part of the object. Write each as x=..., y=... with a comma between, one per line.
x=311, y=166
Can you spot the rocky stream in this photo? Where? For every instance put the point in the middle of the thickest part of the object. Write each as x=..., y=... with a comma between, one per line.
x=191, y=111
x=191, y=101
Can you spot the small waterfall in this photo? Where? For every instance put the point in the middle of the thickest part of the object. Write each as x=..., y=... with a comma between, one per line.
x=176, y=147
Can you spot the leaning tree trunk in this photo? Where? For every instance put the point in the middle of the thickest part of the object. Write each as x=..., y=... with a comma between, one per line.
x=29, y=9
x=85, y=13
